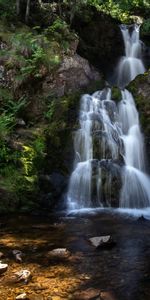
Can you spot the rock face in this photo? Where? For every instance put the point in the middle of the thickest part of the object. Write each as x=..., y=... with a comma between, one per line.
x=100, y=39
x=74, y=73
x=140, y=88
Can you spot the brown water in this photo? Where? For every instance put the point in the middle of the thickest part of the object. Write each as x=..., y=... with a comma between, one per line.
x=121, y=273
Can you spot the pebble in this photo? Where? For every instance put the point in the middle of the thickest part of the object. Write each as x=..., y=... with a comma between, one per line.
x=59, y=253
x=18, y=255
x=23, y=275
x=21, y=296
x=3, y=268
x=1, y=254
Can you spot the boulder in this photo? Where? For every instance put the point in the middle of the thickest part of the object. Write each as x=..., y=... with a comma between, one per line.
x=74, y=73
x=100, y=39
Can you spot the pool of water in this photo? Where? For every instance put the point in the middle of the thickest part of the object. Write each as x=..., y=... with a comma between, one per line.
x=123, y=272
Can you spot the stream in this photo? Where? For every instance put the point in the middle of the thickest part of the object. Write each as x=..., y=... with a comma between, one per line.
x=118, y=273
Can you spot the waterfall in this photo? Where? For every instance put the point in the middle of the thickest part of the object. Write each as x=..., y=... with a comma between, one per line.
x=131, y=64
x=109, y=145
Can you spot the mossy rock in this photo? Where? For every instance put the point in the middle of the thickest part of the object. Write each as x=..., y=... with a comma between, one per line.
x=116, y=94
x=140, y=88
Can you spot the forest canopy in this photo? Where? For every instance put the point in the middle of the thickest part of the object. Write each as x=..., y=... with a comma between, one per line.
x=27, y=10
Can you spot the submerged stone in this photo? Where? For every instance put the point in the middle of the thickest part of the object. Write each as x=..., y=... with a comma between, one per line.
x=18, y=255
x=89, y=294
x=102, y=241
x=23, y=275
x=59, y=253
x=3, y=268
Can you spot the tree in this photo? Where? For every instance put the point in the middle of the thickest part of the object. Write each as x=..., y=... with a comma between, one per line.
x=18, y=7
x=27, y=11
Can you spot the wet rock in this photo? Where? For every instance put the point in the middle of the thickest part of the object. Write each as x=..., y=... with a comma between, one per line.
x=142, y=219
x=3, y=268
x=1, y=254
x=23, y=275
x=18, y=255
x=89, y=294
x=108, y=296
x=21, y=296
x=105, y=241
x=59, y=253
x=20, y=123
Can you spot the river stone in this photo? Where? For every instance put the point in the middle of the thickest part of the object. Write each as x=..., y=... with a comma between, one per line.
x=18, y=255
x=108, y=296
x=23, y=275
x=59, y=253
x=89, y=294
x=21, y=296
x=3, y=268
x=1, y=254
x=101, y=241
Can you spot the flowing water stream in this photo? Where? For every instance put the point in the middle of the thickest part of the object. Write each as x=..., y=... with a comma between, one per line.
x=109, y=164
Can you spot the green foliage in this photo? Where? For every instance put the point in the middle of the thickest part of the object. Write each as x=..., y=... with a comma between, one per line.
x=7, y=122
x=30, y=51
x=145, y=28
x=60, y=32
x=20, y=175
x=122, y=9
x=7, y=8
x=15, y=107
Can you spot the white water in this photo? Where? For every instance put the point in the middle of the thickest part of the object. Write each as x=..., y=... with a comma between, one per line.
x=109, y=144
x=131, y=64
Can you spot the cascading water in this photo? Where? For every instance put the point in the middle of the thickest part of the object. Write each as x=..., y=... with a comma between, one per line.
x=109, y=143
x=131, y=64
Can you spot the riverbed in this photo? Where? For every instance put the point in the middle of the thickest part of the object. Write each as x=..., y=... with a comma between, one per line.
x=121, y=272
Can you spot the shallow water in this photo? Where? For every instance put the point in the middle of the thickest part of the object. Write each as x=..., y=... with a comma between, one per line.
x=123, y=271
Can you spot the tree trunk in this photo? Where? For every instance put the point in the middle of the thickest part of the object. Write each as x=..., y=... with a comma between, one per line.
x=18, y=7
x=73, y=5
x=27, y=11
x=59, y=8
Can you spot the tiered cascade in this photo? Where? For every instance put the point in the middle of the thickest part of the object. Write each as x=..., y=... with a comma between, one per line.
x=109, y=145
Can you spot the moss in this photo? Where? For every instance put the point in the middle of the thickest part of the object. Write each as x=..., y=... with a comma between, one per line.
x=116, y=94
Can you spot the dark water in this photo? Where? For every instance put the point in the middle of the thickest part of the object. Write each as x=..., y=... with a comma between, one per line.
x=123, y=270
